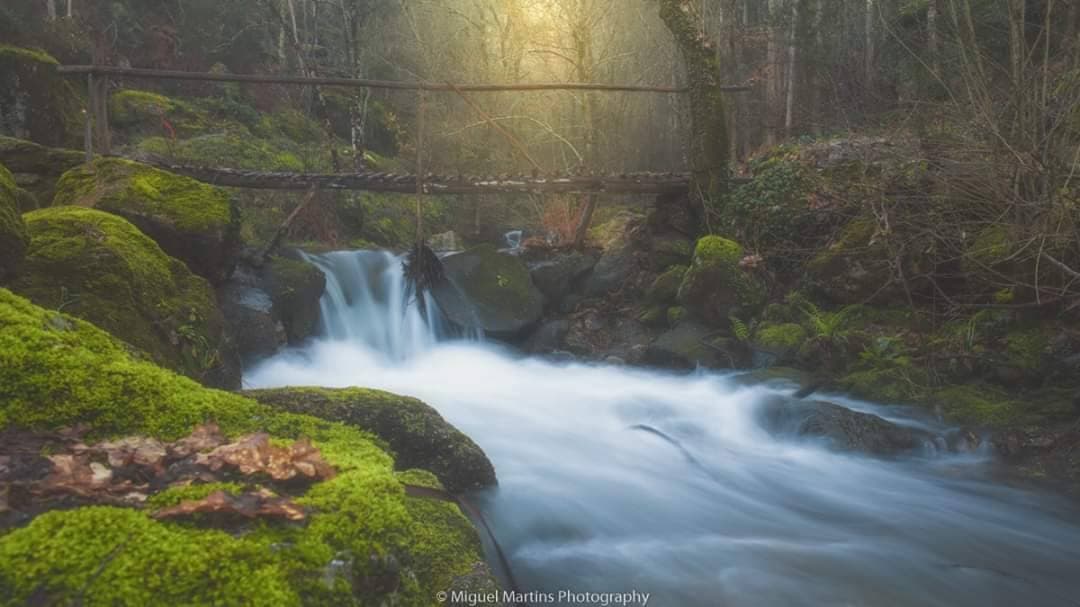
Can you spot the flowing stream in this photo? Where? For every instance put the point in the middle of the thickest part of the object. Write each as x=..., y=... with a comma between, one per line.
x=730, y=515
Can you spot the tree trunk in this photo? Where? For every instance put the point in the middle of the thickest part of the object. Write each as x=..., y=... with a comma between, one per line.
x=869, y=48
x=709, y=135
x=790, y=105
x=50, y=9
x=933, y=43
x=774, y=74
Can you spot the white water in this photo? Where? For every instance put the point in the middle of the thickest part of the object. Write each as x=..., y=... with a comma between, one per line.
x=586, y=503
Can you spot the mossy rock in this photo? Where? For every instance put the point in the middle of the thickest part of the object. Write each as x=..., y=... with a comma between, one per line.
x=670, y=250
x=690, y=344
x=36, y=102
x=490, y=291
x=858, y=267
x=654, y=315
x=780, y=340
x=417, y=435
x=14, y=238
x=37, y=168
x=665, y=288
x=135, y=114
x=295, y=288
x=365, y=542
x=977, y=405
x=193, y=222
x=715, y=287
x=99, y=267
x=236, y=150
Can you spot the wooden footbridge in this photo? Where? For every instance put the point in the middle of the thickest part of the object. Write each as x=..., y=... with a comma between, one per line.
x=539, y=181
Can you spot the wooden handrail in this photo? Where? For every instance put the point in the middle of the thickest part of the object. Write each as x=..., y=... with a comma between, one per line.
x=107, y=70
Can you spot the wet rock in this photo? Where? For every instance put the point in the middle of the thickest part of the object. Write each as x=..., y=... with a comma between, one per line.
x=249, y=314
x=491, y=291
x=691, y=344
x=670, y=250
x=36, y=102
x=548, y=337
x=295, y=288
x=445, y=242
x=416, y=433
x=843, y=428
x=618, y=263
x=556, y=277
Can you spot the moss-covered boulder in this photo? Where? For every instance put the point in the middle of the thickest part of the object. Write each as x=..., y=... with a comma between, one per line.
x=715, y=287
x=690, y=344
x=193, y=222
x=363, y=540
x=670, y=249
x=36, y=102
x=295, y=287
x=665, y=288
x=490, y=291
x=13, y=235
x=780, y=340
x=417, y=435
x=99, y=267
x=37, y=168
x=556, y=277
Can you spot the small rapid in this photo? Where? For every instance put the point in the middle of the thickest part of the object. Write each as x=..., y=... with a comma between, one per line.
x=730, y=515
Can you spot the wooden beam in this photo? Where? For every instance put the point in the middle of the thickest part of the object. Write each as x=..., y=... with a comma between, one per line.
x=632, y=183
x=365, y=83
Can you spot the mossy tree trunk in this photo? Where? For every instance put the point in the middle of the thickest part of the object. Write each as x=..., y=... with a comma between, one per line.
x=709, y=147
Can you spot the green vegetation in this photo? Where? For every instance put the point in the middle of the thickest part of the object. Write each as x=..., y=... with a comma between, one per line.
x=364, y=542
x=715, y=286
x=13, y=235
x=102, y=269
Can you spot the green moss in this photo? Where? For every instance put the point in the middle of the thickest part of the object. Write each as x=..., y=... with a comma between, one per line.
x=666, y=286
x=675, y=314
x=653, y=316
x=989, y=247
x=14, y=237
x=135, y=113
x=364, y=541
x=174, y=495
x=50, y=107
x=1024, y=348
x=977, y=405
x=233, y=150
x=887, y=385
x=33, y=55
x=784, y=336
x=101, y=268
x=855, y=235
x=121, y=186
x=413, y=431
x=57, y=371
x=289, y=124
x=111, y=556
x=715, y=286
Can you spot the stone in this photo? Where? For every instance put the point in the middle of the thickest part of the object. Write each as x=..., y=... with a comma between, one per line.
x=249, y=315
x=14, y=238
x=844, y=429
x=191, y=221
x=99, y=267
x=445, y=242
x=418, y=436
x=548, y=337
x=295, y=288
x=556, y=277
x=691, y=344
x=37, y=168
x=715, y=287
x=490, y=291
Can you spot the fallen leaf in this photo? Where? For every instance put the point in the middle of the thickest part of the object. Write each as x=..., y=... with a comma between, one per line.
x=252, y=504
x=254, y=454
x=203, y=438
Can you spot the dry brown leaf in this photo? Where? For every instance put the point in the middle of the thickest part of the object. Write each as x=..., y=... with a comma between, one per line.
x=255, y=454
x=251, y=504
x=203, y=438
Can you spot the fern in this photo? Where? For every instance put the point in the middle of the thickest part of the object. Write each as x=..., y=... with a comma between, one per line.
x=740, y=329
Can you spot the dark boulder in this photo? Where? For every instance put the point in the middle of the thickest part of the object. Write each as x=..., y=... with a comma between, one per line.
x=842, y=428
x=14, y=238
x=491, y=291
x=548, y=337
x=691, y=344
x=556, y=277
x=295, y=287
x=37, y=168
x=416, y=433
x=249, y=316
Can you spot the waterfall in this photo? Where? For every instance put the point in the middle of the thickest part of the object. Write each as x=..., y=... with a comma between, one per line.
x=704, y=507
x=369, y=302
